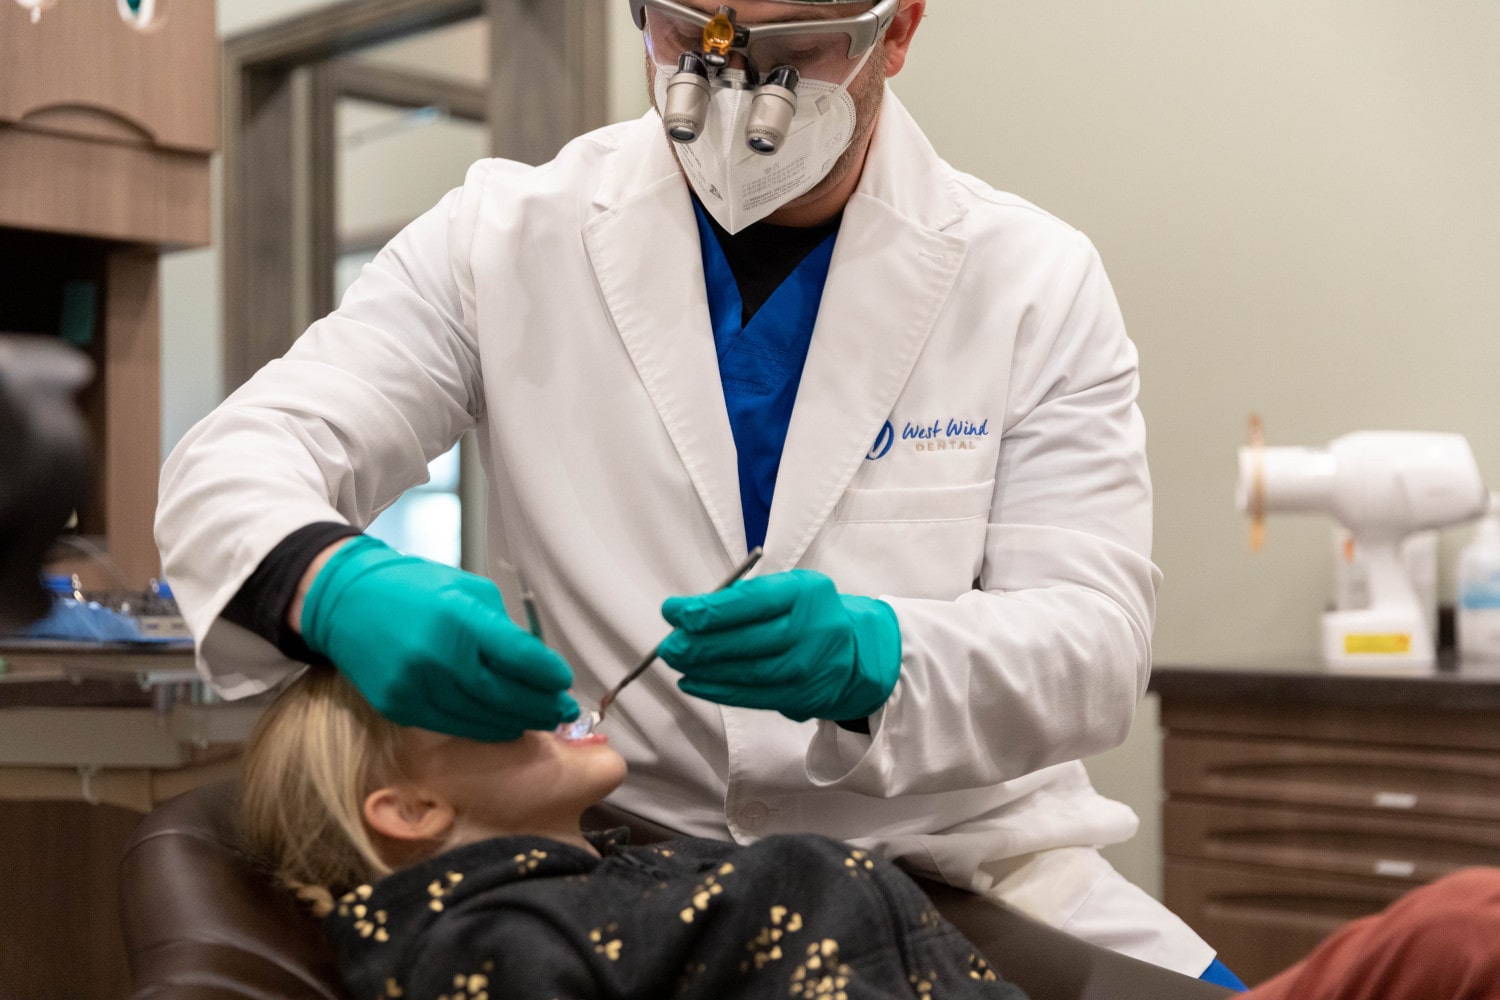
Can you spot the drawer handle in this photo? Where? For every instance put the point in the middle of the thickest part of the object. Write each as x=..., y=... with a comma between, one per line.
x=1395, y=869
x=1395, y=800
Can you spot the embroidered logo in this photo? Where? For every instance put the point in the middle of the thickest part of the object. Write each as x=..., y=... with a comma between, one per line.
x=883, y=442
x=952, y=434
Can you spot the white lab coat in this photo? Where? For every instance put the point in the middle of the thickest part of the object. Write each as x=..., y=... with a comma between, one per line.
x=561, y=310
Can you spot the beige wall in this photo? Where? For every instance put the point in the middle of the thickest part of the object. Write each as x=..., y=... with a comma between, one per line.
x=1299, y=204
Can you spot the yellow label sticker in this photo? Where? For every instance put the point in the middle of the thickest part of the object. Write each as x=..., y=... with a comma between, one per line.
x=1356, y=643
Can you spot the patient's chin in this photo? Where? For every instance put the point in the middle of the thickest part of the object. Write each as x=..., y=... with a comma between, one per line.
x=608, y=772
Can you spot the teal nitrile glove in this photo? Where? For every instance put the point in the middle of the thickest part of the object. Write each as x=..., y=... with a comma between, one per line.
x=789, y=642
x=431, y=646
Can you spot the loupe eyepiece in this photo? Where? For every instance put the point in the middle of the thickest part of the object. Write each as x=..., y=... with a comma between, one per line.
x=687, y=99
x=772, y=111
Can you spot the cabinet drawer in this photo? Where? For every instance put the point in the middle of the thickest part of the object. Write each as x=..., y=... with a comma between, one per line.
x=1263, y=921
x=82, y=71
x=1408, y=850
x=1421, y=782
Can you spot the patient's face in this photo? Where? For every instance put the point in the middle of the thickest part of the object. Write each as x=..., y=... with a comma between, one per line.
x=537, y=784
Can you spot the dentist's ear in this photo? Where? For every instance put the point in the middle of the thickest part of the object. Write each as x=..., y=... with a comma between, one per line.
x=404, y=813
x=898, y=36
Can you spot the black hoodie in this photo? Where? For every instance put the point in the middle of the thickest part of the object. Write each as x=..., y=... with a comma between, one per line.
x=526, y=917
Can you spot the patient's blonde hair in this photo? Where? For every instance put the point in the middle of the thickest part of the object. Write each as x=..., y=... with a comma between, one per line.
x=315, y=754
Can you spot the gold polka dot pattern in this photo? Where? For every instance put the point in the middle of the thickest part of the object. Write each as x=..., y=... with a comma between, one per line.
x=765, y=947
x=704, y=892
x=471, y=985
x=439, y=888
x=610, y=948
x=821, y=976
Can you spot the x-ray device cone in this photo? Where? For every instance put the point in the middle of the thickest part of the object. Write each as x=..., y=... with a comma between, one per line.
x=1382, y=486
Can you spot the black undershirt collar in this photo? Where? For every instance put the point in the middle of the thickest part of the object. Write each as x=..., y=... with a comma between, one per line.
x=763, y=255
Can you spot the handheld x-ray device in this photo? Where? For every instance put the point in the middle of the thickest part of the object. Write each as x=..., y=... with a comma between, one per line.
x=1382, y=486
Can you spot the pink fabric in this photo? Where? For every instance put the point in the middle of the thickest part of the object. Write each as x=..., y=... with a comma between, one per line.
x=1439, y=942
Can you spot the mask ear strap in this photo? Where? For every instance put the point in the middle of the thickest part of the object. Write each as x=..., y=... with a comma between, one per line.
x=858, y=68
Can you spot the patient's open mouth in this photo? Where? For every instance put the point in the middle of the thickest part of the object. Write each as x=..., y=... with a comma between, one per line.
x=580, y=728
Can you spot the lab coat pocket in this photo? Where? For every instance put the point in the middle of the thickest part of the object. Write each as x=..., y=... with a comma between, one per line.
x=907, y=505
x=906, y=542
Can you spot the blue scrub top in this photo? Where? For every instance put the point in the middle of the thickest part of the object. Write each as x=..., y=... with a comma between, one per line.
x=760, y=364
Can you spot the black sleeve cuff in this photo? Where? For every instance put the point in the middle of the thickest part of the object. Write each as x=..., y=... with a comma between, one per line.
x=261, y=604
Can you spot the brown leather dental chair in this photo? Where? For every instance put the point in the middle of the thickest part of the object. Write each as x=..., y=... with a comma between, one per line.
x=202, y=923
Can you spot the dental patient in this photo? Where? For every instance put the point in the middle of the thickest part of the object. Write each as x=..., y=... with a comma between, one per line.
x=450, y=868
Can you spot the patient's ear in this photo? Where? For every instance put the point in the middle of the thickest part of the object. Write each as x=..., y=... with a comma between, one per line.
x=402, y=812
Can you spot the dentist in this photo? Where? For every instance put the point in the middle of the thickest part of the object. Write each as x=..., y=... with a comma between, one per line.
x=767, y=313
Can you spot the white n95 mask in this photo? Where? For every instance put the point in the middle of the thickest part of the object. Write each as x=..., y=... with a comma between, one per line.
x=738, y=186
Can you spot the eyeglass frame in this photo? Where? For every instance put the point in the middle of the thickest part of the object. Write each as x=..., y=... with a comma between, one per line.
x=864, y=30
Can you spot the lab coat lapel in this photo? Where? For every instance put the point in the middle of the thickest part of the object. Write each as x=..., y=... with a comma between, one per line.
x=645, y=255
x=893, y=270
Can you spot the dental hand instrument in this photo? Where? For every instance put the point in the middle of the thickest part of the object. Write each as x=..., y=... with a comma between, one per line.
x=585, y=723
x=650, y=658
x=533, y=621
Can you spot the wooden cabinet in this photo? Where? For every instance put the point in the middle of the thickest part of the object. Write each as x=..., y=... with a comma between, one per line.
x=106, y=131
x=1298, y=802
x=87, y=71
x=89, y=742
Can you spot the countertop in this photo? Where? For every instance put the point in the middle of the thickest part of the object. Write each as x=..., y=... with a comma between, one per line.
x=1307, y=682
x=81, y=674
